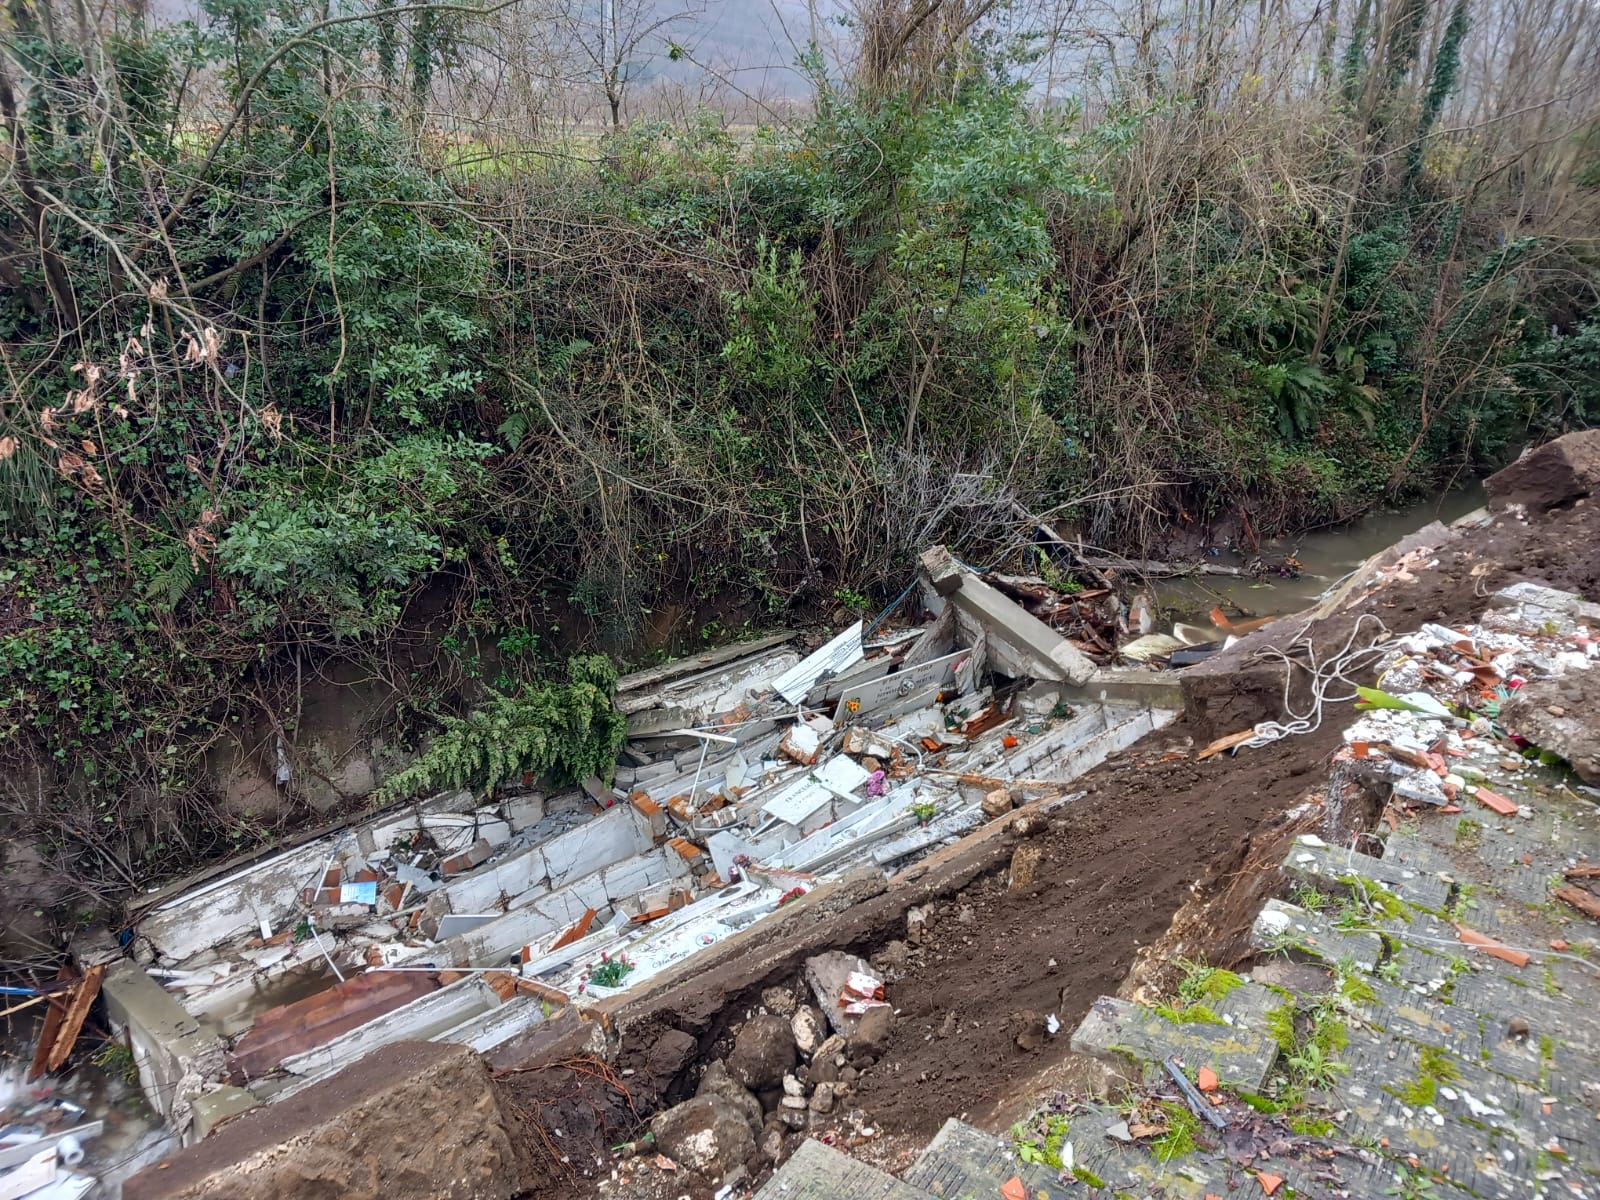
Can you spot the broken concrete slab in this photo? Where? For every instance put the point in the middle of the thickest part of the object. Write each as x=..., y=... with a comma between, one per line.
x=1280, y=925
x=658, y=722
x=1116, y=1028
x=879, y=698
x=525, y=811
x=616, y=834
x=233, y=904
x=1555, y=474
x=222, y=1104
x=718, y=688
x=357, y=1136
x=1111, y=685
x=943, y=572
x=1561, y=715
x=827, y=691
x=706, y=660
x=1347, y=872
x=819, y=1172
x=1524, y=594
x=1019, y=644
x=174, y=1054
x=835, y=657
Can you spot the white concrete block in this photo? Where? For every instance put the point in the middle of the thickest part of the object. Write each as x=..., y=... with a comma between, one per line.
x=234, y=904
x=494, y=944
x=488, y=1030
x=512, y=874
x=626, y=879
x=615, y=834
x=524, y=811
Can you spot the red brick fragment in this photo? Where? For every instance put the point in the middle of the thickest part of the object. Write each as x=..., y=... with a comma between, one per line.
x=1495, y=802
x=1494, y=949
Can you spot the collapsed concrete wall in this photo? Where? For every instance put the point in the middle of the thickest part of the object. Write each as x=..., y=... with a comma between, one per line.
x=175, y=1056
x=750, y=776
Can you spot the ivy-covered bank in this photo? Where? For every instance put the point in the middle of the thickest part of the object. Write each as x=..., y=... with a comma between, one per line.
x=311, y=381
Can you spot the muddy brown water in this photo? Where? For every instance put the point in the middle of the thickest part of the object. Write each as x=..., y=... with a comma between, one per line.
x=1326, y=554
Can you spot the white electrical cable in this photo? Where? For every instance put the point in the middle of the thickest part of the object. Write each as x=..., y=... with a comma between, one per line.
x=1323, y=677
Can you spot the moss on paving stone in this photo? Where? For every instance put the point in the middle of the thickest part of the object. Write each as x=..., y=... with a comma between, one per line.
x=1280, y=1024
x=1183, y=1128
x=1436, y=1067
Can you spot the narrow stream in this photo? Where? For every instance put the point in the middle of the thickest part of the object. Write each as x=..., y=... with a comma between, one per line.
x=1326, y=556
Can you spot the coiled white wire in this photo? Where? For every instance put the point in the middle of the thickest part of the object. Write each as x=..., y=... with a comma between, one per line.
x=1323, y=677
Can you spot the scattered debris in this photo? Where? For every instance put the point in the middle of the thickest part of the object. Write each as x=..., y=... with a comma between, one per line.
x=1195, y=1100
x=745, y=781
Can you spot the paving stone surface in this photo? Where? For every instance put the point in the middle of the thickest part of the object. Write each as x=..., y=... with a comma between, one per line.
x=818, y=1172
x=963, y=1161
x=1473, y=1073
x=1283, y=924
x=1240, y=1056
x=1319, y=865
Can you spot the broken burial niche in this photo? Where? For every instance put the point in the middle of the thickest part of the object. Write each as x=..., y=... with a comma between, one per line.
x=751, y=774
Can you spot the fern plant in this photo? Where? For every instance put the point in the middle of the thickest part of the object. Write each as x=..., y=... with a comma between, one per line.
x=564, y=731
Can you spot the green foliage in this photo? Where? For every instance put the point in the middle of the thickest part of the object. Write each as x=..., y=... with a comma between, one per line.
x=1183, y=1132
x=1308, y=1125
x=609, y=972
x=1441, y=84
x=1435, y=1067
x=344, y=549
x=1041, y=1139
x=1200, y=989
x=563, y=732
x=117, y=1061
x=358, y=400
x=771, y=347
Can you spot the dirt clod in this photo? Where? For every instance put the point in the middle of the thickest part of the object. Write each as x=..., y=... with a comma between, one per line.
x=1025, y=864
x=780, y=1000
x=673, y=1051
x=873, y=1031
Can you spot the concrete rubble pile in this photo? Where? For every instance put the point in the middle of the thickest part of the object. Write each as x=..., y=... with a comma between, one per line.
x=1457, y=705
x=793, y=1067
x=749, y=775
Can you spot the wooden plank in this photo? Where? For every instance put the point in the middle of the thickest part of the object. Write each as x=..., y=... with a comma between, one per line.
x=52, y=1027
x=77, y=1012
